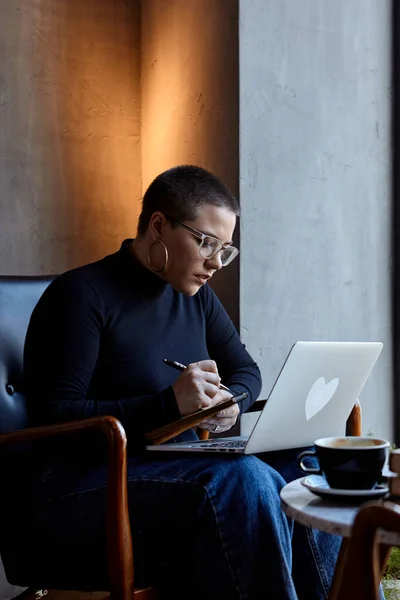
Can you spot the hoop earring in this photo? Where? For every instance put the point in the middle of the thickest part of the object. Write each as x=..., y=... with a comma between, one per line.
x=165, y=260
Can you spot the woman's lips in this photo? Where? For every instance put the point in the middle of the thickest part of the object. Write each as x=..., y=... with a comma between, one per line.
x=202, y=279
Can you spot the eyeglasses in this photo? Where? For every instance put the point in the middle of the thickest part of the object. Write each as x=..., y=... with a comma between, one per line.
x=209, y=245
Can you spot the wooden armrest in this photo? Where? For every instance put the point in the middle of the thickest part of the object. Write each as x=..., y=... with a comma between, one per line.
x=203, y=434
x=354, y=422
x=118, y=532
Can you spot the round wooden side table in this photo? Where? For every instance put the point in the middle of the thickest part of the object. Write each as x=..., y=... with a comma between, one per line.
x=327, y=515
x=331, y=516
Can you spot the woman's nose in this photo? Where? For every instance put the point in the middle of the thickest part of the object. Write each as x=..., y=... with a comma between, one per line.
x=215, y=262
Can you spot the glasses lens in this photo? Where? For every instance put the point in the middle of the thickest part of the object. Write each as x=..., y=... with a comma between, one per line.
x=228, y=254
x=209, y=247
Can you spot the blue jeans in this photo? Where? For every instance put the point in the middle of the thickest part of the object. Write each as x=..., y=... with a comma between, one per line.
x=210, y=525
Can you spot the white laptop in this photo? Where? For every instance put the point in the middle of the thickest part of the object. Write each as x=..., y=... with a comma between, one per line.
x=312, y=397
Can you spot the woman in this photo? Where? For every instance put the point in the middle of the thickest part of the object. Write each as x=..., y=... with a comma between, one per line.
x=95, y=345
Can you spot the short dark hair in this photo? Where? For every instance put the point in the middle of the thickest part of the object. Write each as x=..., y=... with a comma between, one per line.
x=180, y=191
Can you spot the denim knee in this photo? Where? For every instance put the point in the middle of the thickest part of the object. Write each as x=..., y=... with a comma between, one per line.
x=250, y=488
x=251, y=478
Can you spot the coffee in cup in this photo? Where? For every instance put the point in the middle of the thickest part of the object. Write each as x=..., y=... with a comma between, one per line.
x=348, y=462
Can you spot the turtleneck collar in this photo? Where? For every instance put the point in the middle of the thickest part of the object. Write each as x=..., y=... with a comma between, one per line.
x=149, y=280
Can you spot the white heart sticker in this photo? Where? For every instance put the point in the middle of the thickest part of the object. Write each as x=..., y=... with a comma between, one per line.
x=319, y=396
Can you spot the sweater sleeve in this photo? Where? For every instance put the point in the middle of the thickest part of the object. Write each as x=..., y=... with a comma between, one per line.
x=236, y=367
x=60, y=356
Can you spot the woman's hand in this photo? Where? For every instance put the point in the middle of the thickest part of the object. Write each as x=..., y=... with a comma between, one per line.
x=197, y=387
x=223, y=420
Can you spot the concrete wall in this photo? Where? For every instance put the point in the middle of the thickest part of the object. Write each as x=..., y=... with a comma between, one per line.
x=70, y=173
x=314, y=188
x=190, y=97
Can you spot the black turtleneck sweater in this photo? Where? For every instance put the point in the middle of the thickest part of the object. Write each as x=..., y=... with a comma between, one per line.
x=97, y=338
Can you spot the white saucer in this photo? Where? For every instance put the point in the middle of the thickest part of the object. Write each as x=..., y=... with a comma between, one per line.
x=319, y=486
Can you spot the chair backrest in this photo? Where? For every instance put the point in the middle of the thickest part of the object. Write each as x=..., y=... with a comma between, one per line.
x=18, y=297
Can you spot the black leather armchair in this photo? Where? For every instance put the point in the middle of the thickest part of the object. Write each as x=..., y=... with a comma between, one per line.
x=18, y=297
x=29, y=557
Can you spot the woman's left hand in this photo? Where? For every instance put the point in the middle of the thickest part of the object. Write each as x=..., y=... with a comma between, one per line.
x=223, y=420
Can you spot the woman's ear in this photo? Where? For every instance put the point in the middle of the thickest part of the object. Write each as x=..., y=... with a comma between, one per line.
x=157, y=225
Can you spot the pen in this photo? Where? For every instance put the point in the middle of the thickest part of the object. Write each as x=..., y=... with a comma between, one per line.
x=180, y=367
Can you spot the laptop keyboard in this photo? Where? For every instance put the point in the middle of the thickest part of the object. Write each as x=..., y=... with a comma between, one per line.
x=221, y=444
